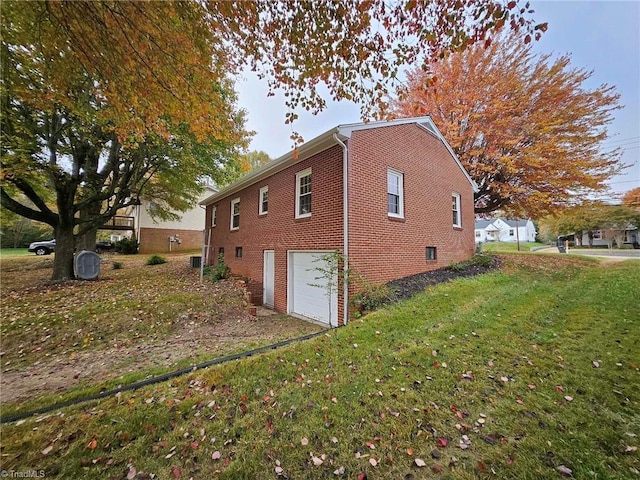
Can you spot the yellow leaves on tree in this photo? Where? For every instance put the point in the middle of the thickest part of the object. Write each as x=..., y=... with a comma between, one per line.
x=526, y=127
x=155, y=61
x=152, y=64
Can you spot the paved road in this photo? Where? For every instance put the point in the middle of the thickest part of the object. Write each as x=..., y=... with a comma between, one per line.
x=597, y=252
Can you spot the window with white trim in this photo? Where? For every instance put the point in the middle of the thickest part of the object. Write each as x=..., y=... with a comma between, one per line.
x=213, y=216
x=395, y=193
x=235, y=214
x=263, y=200
x=303, y=193
x=455, y=202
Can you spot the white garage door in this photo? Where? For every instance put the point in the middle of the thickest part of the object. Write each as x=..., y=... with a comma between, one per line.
x=308, y=288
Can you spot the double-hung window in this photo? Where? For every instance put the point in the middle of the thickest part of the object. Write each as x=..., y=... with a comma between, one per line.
x=395, y=193
x=303, y=193
x=235, y=214
x=455, y=203
x=263, y=200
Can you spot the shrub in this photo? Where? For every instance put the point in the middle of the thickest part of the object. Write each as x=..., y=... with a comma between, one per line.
x=156, y=260
x=479, y=260
x=127, y=246
x=116, y=265
x=220, y=271
x=371, y=297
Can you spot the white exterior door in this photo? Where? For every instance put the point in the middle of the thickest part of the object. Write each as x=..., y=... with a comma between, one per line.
x=311, y=294
x=268, y=279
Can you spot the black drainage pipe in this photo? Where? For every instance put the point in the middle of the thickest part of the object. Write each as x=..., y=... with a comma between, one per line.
x=160, y=378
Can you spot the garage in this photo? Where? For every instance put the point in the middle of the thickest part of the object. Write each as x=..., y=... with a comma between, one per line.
x=308, y=287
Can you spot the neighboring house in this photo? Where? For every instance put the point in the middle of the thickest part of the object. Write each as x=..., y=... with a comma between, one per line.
x=505, y=230
x=608, y=238
x=155, y=236
x=390, y=196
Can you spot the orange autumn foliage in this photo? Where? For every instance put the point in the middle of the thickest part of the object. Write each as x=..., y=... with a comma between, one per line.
x=162, y=63
x=632, y=198
x=526, y=127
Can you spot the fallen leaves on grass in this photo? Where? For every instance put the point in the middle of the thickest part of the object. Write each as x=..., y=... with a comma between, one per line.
x=131, y=474
x=564, y=470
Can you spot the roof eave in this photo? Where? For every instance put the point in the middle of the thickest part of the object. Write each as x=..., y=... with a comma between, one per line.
x=306, y=150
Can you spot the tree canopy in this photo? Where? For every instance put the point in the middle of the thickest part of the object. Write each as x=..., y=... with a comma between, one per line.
x=591, y=216
x=104, y=102
x=632, y=198
x=253, y=159
x=79, y=144
x=526, y=126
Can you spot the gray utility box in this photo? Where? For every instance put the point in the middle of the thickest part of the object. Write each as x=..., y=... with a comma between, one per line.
x=195, y=262
x=87, y=265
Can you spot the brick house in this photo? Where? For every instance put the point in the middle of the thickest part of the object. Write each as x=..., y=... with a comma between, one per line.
x=390, y=196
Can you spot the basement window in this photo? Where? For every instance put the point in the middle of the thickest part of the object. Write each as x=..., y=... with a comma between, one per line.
x=431, y=254
x=238, y=252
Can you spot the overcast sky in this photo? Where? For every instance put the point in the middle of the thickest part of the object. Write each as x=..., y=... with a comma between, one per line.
x=603, y=36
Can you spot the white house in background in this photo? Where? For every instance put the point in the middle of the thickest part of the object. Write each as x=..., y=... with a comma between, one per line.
x=505, y=230
x=156, y=236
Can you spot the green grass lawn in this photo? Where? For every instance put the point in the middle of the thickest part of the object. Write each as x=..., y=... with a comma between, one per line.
x=14, y=252
x=523, y=373
x=507, y=247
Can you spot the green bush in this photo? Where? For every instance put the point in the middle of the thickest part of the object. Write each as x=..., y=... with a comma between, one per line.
x=156, y=260
x=476, y=261
x=220, y=271
x=371, y=297
x=127, y=246
x=116, y=265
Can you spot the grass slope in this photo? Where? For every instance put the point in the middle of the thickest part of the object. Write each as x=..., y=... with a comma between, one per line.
x=524, y=373
x=510, y=247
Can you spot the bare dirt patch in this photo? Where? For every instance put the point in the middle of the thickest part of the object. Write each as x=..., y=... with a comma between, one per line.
x=137, y=319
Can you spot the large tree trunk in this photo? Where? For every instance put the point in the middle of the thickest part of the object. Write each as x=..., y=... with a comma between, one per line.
x=87, y=241
x=65, y=246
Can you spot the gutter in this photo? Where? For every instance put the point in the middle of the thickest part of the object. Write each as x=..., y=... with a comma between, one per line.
x=345, y=229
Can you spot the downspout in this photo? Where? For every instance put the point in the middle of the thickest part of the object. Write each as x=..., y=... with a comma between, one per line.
x=345, y=229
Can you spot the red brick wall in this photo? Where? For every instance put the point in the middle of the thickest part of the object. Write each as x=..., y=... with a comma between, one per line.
x=278, y=230
x=381, y=248
x=156, y=240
